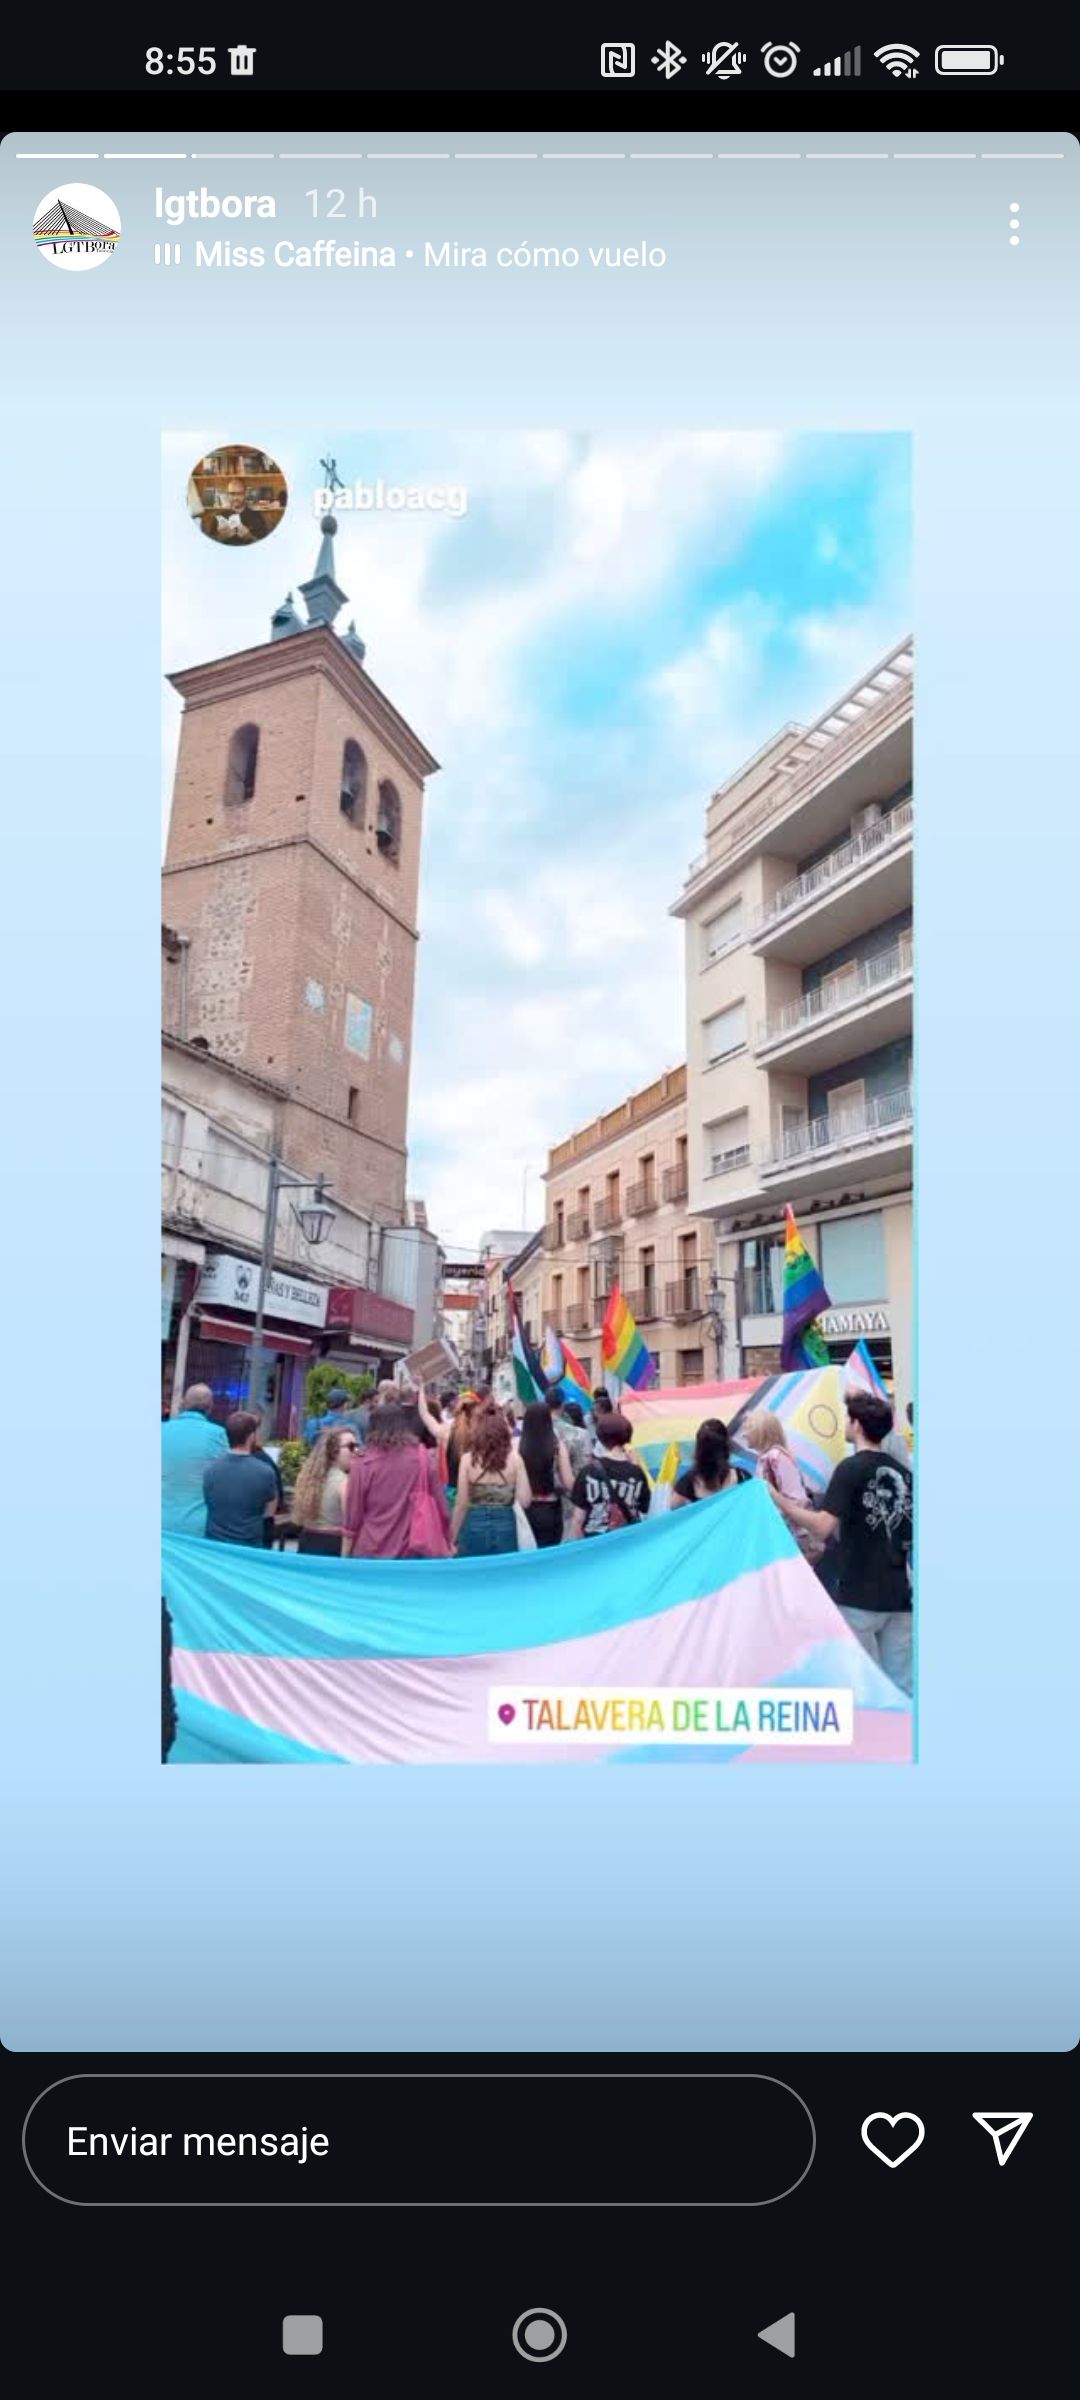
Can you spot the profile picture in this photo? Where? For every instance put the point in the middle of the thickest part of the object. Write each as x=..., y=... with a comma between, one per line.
x=76, y=226
x=237, y=495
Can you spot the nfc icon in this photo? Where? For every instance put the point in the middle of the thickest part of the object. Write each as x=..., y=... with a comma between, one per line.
x=618, y=58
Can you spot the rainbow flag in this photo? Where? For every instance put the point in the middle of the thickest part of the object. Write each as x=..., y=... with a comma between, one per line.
x=575, y=1381
x=804, y=1344
x=621, y=1347
x=281, y=1660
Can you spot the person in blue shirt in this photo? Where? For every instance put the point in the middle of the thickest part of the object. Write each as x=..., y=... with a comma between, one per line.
x=338, y=1413
x=189, y=1444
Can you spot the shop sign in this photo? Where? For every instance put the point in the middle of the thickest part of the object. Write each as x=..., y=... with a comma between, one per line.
x=853, y=1324
x=230, y=1282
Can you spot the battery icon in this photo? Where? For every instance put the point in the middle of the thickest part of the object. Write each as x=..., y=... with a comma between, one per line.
x=968, y=58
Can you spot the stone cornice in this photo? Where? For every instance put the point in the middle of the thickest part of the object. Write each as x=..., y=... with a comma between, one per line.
x=315, y=651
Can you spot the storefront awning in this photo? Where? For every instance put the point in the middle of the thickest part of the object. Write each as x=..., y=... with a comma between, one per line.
x=370, y=1317
x=226, y=1329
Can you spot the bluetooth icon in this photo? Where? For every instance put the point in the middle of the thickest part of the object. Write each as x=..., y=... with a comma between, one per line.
x=668, y=60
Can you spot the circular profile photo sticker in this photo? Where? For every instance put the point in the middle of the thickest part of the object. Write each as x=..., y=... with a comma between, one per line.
x=76, y=226
x=237, y=495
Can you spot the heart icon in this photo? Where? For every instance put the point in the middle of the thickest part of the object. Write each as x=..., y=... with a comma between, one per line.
x=507, y=1713
x=890, y=2153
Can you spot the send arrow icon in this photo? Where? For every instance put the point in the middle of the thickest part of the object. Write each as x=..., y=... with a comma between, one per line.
x=1004, y=2128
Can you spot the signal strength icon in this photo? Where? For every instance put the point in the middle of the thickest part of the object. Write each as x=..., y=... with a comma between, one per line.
x=847, y=62
x=899, y=58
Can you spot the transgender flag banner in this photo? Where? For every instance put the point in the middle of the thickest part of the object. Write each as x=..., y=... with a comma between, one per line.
x=696, y=1636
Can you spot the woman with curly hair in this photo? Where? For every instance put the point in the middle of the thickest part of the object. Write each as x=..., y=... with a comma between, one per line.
x=491, y=1479
x=457, y=1431
x=318, y=1505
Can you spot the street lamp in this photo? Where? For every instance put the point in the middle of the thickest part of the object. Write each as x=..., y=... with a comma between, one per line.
x=315, y=1221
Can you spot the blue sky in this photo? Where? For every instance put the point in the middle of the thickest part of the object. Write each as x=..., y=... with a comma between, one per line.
x=616, y=623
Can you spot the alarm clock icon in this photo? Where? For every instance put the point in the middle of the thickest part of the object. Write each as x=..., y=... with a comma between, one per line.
x=781, y=58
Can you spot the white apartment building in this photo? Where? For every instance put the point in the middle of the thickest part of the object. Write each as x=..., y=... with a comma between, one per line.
x=799, y=1025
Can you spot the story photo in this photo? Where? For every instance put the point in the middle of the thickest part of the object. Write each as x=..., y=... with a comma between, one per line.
x=537, y=1100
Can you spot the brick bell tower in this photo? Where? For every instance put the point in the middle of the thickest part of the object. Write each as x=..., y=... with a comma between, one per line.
x=292, y=868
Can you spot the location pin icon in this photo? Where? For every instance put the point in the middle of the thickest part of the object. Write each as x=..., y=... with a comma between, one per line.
x=507, y=1713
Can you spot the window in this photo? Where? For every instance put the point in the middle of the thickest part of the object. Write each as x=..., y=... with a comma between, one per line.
x=725, y=1033
x=388, y=822
x=846, y=1100
x=352, y=797
x=691, y=1366
x=556, y=1299
x=853, y=1258
x=352, y=1110
x=722, y=932
x=761, y=1279
x=728, y=1143
x=243, y=762
x=559, y=1221
x=172, y=1133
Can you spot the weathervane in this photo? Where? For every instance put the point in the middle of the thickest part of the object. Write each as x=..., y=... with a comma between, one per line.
x=333, y=479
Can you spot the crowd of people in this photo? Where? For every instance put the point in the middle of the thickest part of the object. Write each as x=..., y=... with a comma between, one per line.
x=413, y=1474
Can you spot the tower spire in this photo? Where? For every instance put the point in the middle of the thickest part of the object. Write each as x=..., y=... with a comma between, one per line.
x=323, y=596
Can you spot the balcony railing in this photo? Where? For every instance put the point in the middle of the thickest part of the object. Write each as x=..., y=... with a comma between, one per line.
x=846, y=1129
x=866, y=982
x=683, y=1299
x=847, y=860
x=675, y=1183
x=607, y=1213
x=866, y=713
x=581, y=1317
x=645, y=1306
x=577, y=1225
x=641, y=1198
x=553, y=1236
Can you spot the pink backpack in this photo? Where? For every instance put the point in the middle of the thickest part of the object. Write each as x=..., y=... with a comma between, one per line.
x=428, y=1537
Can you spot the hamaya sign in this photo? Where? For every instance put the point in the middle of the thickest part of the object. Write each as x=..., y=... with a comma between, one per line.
x=853, y=1324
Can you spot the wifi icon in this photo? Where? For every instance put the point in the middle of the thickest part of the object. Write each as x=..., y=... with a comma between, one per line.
x=899, y=58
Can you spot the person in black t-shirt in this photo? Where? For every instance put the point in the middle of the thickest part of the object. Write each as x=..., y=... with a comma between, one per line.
x=710, y=1470
x=868, y=1506
x=612, y=1489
